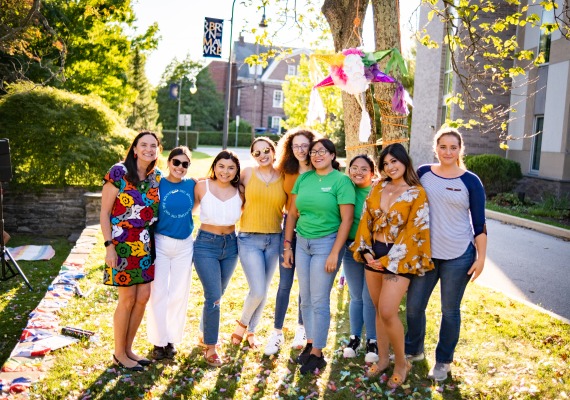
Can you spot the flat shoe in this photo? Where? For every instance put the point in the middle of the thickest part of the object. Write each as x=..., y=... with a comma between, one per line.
x=253, y=344
x=143, y=361
x=396, y=380
x=136, y=368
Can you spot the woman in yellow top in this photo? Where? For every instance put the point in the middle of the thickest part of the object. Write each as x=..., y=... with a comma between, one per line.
x=393, y=241
x=259, y=237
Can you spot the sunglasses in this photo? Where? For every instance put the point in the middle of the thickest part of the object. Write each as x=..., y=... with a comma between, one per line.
x=257, y=153
x=176, y=162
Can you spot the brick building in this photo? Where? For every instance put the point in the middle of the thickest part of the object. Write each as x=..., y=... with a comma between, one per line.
x=541, y=100
x=257, y=92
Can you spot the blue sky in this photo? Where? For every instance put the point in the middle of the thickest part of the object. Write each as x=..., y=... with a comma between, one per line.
x=181, y=27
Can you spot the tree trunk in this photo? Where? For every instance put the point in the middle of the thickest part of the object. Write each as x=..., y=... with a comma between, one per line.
x=387, y=36
x=340, y=15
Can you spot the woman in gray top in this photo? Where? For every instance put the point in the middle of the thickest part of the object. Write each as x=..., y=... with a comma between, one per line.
x=458, y=245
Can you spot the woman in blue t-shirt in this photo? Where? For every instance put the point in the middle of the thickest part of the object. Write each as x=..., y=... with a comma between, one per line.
x=173, y=265
x=322, y=210
x=458, y=248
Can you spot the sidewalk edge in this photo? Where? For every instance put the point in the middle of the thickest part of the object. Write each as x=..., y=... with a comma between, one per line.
x=526, y=223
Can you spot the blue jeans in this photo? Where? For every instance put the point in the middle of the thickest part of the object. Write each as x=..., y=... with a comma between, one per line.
x=315, y=285
x=454, y=280
x=215, y=259
x=361, y=309
x=259, y=254
x=286, y=278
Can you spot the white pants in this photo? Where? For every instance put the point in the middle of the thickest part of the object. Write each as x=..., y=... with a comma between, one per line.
x=170, y=290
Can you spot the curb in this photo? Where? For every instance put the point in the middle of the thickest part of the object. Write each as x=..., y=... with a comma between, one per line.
x=526, y=223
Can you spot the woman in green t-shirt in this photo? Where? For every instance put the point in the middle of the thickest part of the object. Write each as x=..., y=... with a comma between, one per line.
x=322, y=211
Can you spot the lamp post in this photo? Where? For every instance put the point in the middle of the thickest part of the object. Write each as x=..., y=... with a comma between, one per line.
x=228, y=85
x=193, y=89
x=262, y=24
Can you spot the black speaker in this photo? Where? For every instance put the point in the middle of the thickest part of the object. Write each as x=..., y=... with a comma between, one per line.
x=5, y=165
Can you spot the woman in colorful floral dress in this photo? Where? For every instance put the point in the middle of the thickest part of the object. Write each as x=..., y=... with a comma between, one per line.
x=393, y=242
x=129, y=205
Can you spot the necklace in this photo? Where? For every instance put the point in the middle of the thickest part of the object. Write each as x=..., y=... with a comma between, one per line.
x=267, y=182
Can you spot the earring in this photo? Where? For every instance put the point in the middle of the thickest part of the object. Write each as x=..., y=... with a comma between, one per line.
x=135, y=155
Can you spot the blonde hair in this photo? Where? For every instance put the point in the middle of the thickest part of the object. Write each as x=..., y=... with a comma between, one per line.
x=455, y=133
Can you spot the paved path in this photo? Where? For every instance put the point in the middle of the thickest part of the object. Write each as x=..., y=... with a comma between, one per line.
x=528, y=265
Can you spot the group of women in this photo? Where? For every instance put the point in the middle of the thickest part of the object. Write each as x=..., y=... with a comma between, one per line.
x=296, y=210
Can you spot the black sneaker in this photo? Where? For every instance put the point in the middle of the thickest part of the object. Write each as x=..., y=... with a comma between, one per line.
x=158, y=353
x=371, y=351
x=313, y=363
x=352, y=347
x=170, y=350
x=304, y=356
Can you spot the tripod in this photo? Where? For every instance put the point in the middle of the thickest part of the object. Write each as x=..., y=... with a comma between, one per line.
x=10, y=267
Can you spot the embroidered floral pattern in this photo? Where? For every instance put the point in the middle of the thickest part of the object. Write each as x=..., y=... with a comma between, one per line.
x=406, y=224
x=134, y=211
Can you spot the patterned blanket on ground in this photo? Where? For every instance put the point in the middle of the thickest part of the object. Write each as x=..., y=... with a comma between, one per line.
x=32, y=253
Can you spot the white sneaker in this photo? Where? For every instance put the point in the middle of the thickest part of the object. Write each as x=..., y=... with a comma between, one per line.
x=439, y=371
x=300, y=339
x=352, y=347
x=411, y=358
x=371, y=351
x=274, y=344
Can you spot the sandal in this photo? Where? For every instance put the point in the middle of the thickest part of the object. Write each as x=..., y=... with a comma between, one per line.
x=375, y=370
x=237, y=339
x=251, y=340
x=396, y=380
x=213, y=360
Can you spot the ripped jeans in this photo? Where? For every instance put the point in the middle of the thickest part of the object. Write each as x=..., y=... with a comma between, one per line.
x=215, y=259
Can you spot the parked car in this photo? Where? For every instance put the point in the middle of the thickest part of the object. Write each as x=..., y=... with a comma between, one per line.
x=266, y=131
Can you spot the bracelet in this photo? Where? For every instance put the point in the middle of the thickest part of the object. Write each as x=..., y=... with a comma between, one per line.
x=287, y=241
x=289, y=249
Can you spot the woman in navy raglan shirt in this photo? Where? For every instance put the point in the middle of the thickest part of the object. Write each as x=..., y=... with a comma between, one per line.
x=458, y=245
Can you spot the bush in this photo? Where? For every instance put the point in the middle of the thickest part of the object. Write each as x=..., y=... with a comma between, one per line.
x=215, y=139
x=189, y=139
x=60, y=138
x=498, y=174
x=244, y=127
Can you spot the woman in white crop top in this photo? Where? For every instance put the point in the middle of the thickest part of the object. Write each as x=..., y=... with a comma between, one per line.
x=215, y=250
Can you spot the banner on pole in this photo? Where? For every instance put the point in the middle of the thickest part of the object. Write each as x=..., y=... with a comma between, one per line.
x=173, y=91
x=213, y=37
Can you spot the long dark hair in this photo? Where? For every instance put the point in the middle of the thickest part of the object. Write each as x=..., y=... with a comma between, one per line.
x=399, y=152
x=329, y=145
x=131, y=161
x=226, y=155
x=286, y=161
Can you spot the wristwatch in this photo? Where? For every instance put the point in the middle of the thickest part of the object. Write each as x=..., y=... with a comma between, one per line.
x=108, y=243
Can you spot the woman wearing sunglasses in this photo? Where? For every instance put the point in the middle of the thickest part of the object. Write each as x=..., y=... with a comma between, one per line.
x=215, y=249
x=173, y=265
x=292, y=160
x=260, y=235
x=322, y=211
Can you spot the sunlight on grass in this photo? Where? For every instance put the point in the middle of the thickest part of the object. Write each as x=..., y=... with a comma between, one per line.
x=506, y=350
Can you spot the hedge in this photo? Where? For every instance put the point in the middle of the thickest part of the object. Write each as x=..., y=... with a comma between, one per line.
x=498, y=174
x=207, y=138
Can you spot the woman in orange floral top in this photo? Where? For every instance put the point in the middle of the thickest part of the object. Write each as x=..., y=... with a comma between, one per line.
x=393, y=242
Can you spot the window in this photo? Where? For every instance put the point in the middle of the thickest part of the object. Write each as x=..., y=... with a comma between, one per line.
x=291, y=70
x=238, y=97
x=545, y=37
x=278, y=99
x=447, y=87
x=536, y=143
x=276, y=123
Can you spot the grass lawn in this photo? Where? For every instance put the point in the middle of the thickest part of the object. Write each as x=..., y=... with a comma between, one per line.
x=16, y=300
x=507, y=350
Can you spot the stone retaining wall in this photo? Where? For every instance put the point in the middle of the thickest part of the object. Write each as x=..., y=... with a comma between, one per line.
x=50, y=212
x=536, y=189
